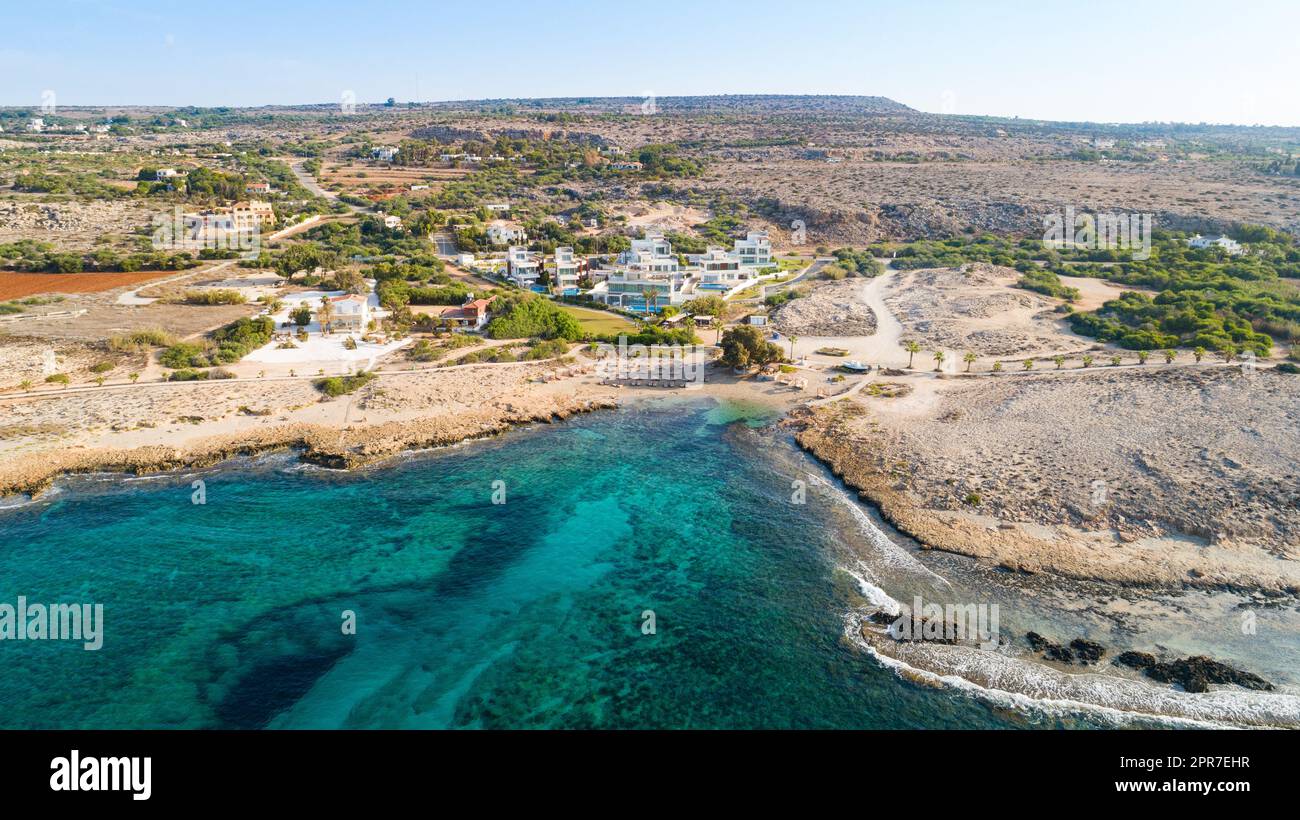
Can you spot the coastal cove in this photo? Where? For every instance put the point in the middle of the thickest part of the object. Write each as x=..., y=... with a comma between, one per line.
x=592, y=597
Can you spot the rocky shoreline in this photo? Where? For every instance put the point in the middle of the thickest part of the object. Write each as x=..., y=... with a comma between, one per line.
x=323, y=445
x=832, y=435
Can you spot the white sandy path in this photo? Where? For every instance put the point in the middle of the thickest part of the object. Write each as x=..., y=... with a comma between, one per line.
x=880, y=348
x=133, y=297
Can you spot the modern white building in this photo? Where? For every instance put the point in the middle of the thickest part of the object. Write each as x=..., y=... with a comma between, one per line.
x=755, y=250
x=565, y=270
x=1226, y=243
x=504, y=233
x=647, y=277
x=383, y=153
x=350, y=312
x=650, y=276
x=719, y=267
x=523, y=267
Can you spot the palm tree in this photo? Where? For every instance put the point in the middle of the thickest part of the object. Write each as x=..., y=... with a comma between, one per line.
x=26, y=385
x=649, y=295
x=969, y=359
x=717, y=326
x=134, y=377
x=1228, y=352
x=1087, y=360
x=1169, y=356
x=1116, y=359
x=938, y=361
x=1059, y=359
x=1029, y=364
x=325, y=314
x=1143, y=356
x=793, y=339
x=1198, y=352
x=912, y=349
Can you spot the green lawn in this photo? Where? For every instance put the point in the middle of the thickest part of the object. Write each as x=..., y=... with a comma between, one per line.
x=600, y=321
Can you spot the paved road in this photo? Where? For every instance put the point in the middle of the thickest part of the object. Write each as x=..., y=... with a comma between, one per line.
x=446, y=244
x=308, y=181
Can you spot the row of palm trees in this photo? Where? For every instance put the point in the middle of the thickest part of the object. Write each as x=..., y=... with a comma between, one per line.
x=1228, y=352
x=26, y=384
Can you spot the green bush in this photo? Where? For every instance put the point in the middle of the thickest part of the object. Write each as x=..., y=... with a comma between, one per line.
x=524, y=316
x=214, y=297
x=140, y=340
x=342, y=385
x=548, y=349
x=183, y=355
x=187, y=375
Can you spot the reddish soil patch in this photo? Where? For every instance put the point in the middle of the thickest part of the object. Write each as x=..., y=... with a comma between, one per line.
x=16, y=285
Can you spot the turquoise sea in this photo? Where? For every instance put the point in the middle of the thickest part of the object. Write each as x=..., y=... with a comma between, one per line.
x=532, y=613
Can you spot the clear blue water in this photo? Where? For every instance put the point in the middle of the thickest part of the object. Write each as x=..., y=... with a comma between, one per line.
x=469, y=613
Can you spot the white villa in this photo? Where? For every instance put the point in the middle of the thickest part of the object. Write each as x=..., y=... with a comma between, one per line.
x=351, y=313
x=650, y=266
x=384, y=153
x=503, y=233
x=565, y=269
x=523, y=266
x=648, y=269
x=754, y=250
x=1227, y=243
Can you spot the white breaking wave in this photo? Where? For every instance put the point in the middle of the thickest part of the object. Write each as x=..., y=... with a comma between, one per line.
x=881, y=544
x=872, y=592
x=1012, y=682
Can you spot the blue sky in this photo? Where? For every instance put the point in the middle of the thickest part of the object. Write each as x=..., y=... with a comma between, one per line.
x=1102, y=61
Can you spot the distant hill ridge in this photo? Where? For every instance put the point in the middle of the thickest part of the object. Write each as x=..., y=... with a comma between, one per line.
x=717, y=102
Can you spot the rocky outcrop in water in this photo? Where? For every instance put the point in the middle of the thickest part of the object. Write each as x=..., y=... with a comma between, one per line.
x=1080, y=649
x=1193, y=674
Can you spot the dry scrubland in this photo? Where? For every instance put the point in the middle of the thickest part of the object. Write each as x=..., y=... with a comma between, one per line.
x=975, y=308
x=830, y=309
x=1202, y=456
x=74, y=225
x=159, y=426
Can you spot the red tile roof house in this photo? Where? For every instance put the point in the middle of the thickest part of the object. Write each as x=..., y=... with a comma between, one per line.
x=469, y=316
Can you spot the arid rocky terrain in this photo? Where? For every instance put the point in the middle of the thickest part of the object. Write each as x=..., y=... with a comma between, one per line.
x=1175, y=476
x=829, y=309
x=976, y=308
